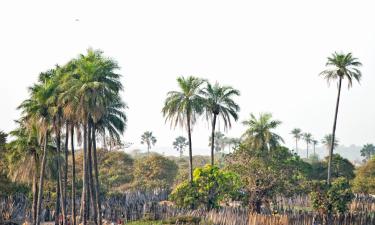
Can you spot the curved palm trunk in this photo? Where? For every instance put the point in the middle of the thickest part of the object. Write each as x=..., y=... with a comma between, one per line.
x=213, y=140
x=96, y=178
x=41, y=179
x=333, y=134
x=35, y=187
x=73, y=175
x=190, y=148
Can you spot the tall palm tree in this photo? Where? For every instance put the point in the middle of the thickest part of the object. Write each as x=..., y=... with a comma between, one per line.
x=314, y=142
x=219, y=103
x=148, y=139
x=297, y=133
x=260, y=133
x=36, y=112
x=340, y=66
x=180, y=144
x=307, y=137
x=184, y=106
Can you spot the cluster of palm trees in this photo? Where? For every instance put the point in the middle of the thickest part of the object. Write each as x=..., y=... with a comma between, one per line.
x=77, y=101
x=197, y=97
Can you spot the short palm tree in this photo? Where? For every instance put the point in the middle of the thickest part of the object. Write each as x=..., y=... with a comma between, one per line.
x=340, y=66
x=307, y=137
x=148, y=139
x=260, y=133
x=219, y=103
x=297, y=133
x=184, y=106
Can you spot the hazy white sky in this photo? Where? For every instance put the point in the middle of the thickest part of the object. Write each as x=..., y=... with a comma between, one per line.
x=272, y=51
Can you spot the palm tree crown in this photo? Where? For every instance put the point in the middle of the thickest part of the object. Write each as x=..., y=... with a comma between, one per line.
x=260, y=133
x=148, y=139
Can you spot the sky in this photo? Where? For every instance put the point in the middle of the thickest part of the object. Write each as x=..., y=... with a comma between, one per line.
x=272, y=51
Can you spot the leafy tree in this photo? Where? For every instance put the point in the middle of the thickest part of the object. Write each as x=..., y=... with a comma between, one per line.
x=266, y=174
x=332, y=199
x=210, y=187
x=219, y=103
x=340, y=66
x=307, y=137
x=153, y=172
x=259, y=133
x=368, y=151
x=364, y=181
x=180, y=144
x=184, y=106
x=341, y=167
x=148, y=139
x=297, y=134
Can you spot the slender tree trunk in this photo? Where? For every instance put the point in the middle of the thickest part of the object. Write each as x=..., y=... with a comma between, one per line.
x=96, y=178
x=60, y=176
x=91, y=181
x=73, y=175
x=65, y=184
x=84, y=177
x=41, y=179
x=213, y=140
x=35, y=187
x=307, y=150
x=333, y=133
x=58, y=196
x=190, y=148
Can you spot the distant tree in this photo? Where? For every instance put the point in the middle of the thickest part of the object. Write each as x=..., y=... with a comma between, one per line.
x=219, y=143
x=233, y=143
x=327, y=141
x=297, y=134
x=153, y=172
x=340, y=66
x=314, y=142
x=307, y=137
x=148, y=139
x=368, y=151
x=218, y=104
x=184, y=106
x=180, y=144
x=364, y=181
x=259, y=133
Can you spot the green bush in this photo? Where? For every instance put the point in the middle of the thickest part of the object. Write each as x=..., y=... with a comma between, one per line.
x=209, y=188
x=182, y=220
x=332, y=199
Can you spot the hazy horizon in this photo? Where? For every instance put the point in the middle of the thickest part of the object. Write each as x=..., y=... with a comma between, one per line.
x=271, y=51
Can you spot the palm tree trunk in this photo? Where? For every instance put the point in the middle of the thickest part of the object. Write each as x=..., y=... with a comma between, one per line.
x=60, y=178
x=65, y=184
x=58, y=196
x=96, y=177
x=41, y=179
x=35, y=187
x=307, y=150
x=73, y=175
x=190, y=148
x=91, y=181
x=297, y=146
x=333, y=133
x=213, y=140
x=84, y=177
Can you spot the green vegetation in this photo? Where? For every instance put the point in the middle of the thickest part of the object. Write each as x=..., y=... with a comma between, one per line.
x=78, y=104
